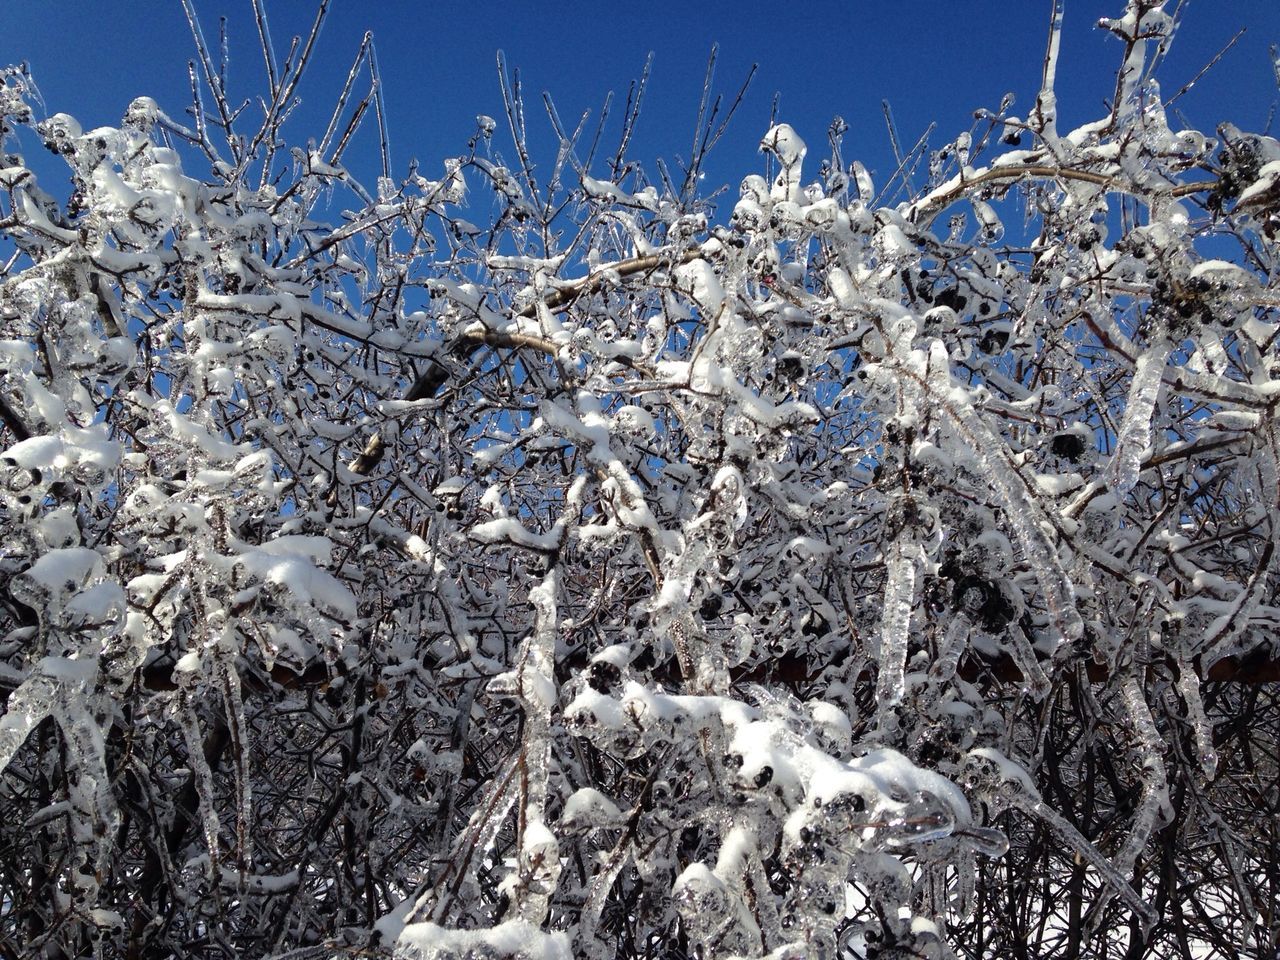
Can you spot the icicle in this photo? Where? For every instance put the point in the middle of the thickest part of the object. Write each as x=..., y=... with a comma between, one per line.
x=1229, y=629
x=203, y=778
x=597, y=897
x=539, y=860
x=992, y=228
x=766, y=906
x=1020, y=509
x=1141, y=23
x=89, y=791
x=1134, y=435
x=733, y=865
x=1023, y=517
x=1046, y=109
x=26, y=709
x=895, y=624
x=866, y=190
x=471, y=845
x=1189, y=690
x=966, y=866
x=238, y=730
x=1035, y=807
x=1155, y=799
x=931, y=893
x=954, y=643
x=1024, y=655
x=988, y=841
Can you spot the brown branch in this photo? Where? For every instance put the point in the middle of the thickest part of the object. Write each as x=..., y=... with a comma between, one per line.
x=13, y=421
x=940, y=202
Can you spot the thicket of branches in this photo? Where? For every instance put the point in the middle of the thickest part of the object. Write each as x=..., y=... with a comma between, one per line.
x=538, y=561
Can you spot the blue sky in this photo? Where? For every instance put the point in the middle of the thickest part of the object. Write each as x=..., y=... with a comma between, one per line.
x=933, y=60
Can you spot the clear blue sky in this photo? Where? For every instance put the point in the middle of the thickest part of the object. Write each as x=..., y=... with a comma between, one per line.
x=932, y=59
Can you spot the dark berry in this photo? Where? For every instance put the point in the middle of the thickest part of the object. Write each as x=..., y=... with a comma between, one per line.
x=603, y=676
x=1069, y=446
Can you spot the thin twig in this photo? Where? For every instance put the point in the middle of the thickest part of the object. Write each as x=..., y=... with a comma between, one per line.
x=1205, y=69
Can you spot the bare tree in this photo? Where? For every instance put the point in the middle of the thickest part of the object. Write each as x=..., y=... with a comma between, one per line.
x=612, y=579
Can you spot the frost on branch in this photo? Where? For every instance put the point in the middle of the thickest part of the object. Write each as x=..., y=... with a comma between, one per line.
x=522, y=557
